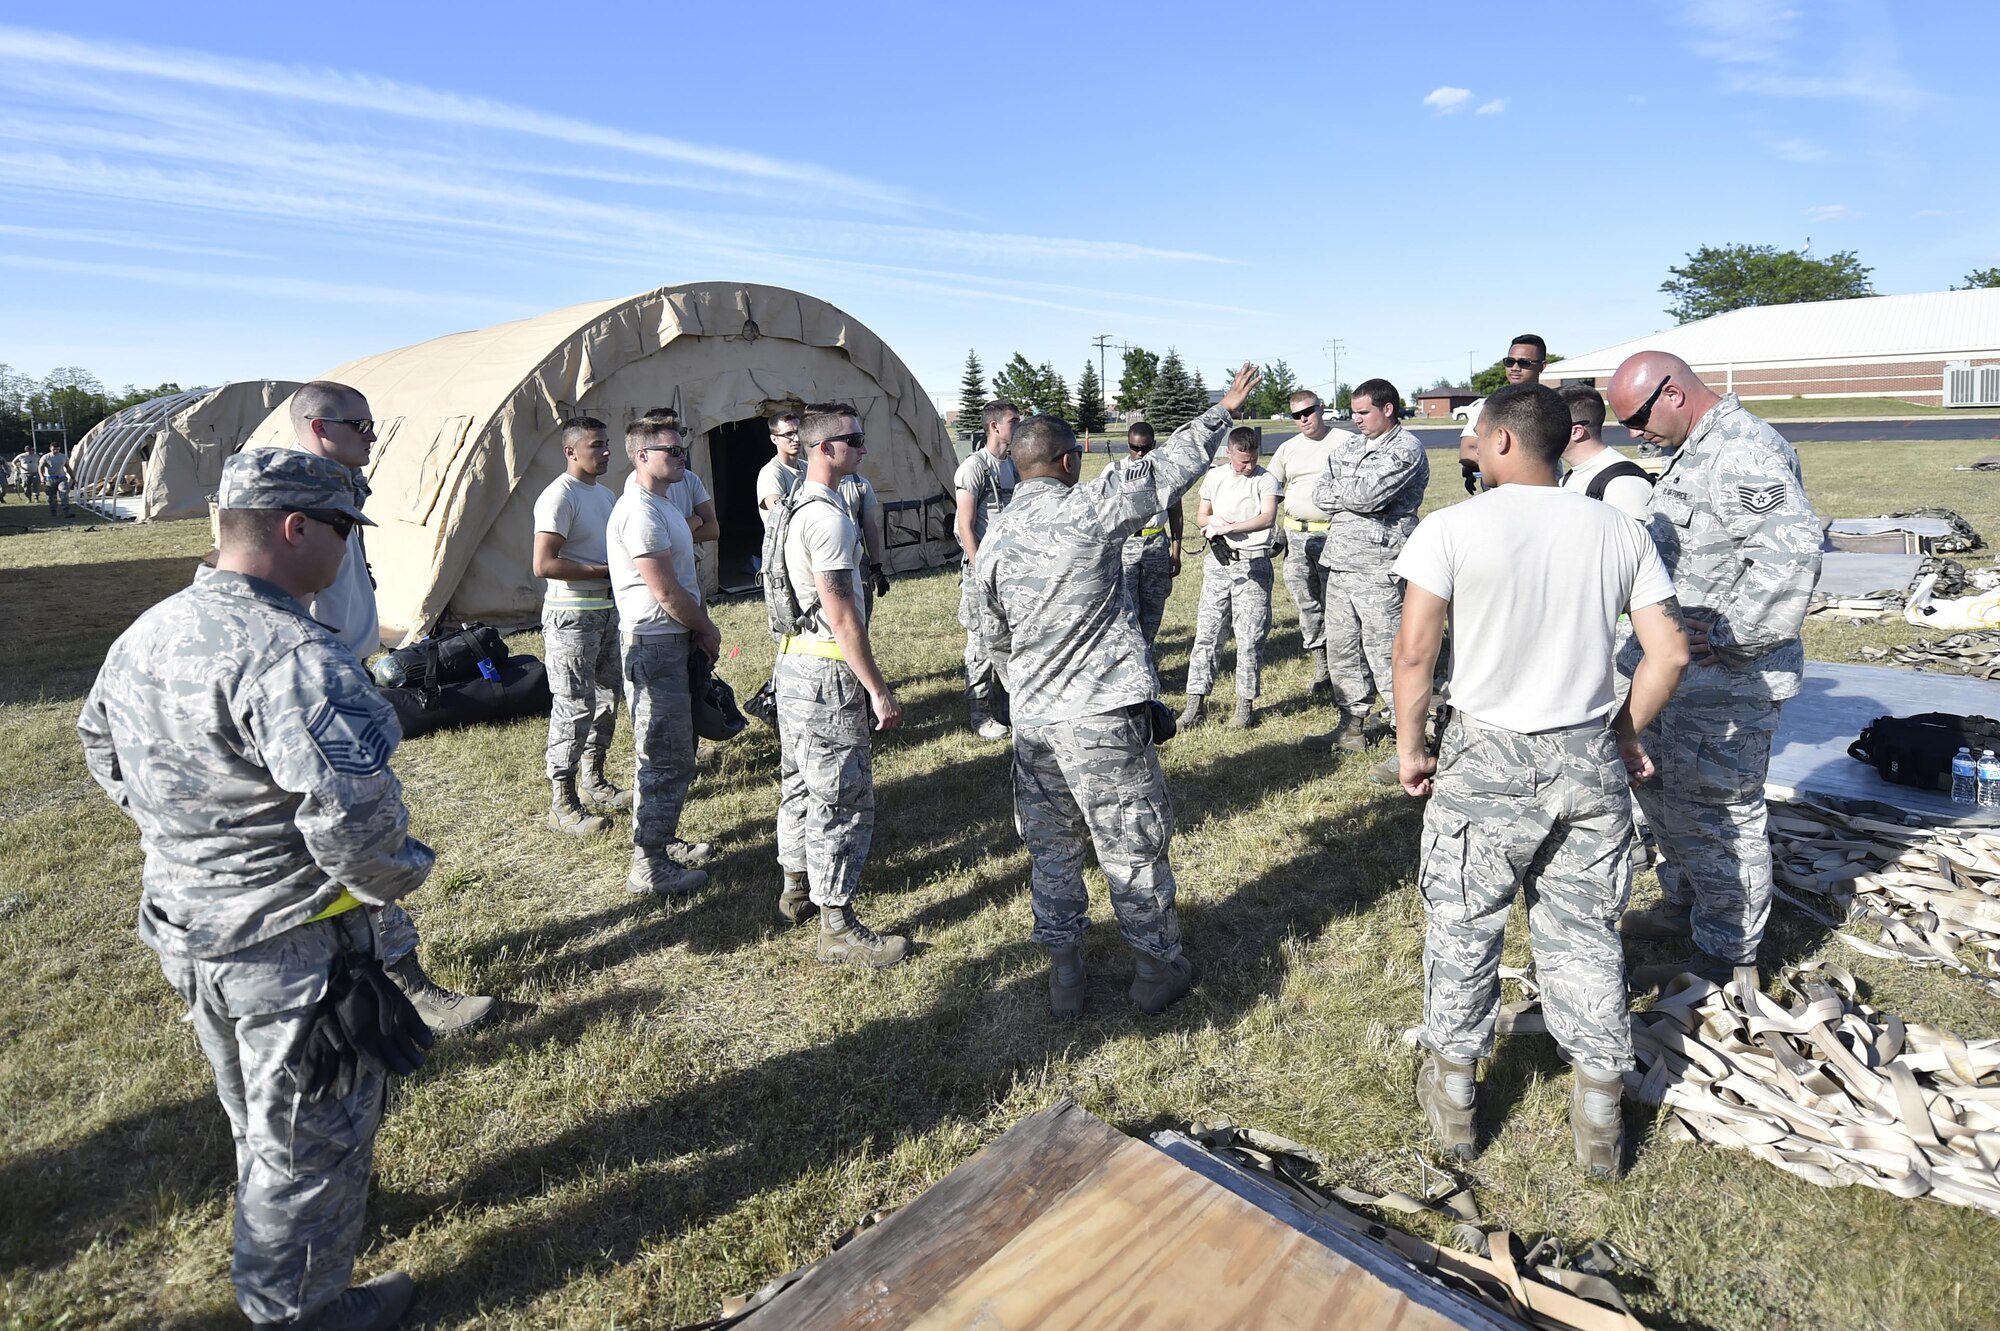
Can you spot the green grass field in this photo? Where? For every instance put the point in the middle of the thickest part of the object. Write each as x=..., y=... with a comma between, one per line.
x=679, y=1102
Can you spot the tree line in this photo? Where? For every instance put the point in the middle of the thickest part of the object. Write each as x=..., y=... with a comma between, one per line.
x=1163, y=389
x=70, y=397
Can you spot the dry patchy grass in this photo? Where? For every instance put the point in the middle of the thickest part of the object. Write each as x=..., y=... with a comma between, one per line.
x=679, y=1102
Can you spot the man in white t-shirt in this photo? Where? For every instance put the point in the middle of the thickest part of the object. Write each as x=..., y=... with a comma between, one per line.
x=1597, y=469
x=1237, y=514
x=579, y=630
x=333, y=420
x=1530, y=787
x=53, y=470
x=1298, y=465
x=827, y=682
x=983, y=485
x=661, y=618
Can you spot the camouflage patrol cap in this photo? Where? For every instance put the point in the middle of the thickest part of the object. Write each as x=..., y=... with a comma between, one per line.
x=290, y=479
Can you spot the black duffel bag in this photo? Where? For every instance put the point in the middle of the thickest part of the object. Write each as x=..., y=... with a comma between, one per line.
x=521, y=690
x=1917, y=750
x=441, y=659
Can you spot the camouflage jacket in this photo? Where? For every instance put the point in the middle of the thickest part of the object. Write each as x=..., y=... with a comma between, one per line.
x=1734, y=527
x=1371, y=490
x=253, y=752
x=1050, y=580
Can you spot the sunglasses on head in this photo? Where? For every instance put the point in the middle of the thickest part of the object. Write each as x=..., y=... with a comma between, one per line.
x=1309, y=411
x=1518, y=362
x=341, y=523
x=1637, y=420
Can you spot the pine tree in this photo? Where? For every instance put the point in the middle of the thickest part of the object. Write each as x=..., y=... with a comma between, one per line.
x=1169, y=405
x=1274, y=395
x=972, y=399
x=1054, y=399
x=1197, y=396
x=1135, y=383
x=1089, y=400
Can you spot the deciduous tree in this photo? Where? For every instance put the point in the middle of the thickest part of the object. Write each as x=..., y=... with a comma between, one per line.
x=1135, y=382
x=1717, y=280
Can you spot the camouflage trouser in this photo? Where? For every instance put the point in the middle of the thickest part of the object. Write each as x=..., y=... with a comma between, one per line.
x=826, y=776
x=397, y=932
x=1237, y=594
x=584, y=682
x=1101, y=775
x=1149, y=581
x=58, y=493
x=301, y=1165
x=1706, y=809
x=1364, y=609
x=1547, y=813
x=981, y=681
x=1306, y=581
x=656, y=680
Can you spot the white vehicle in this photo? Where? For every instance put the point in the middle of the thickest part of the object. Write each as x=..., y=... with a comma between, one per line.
x=1469, y=412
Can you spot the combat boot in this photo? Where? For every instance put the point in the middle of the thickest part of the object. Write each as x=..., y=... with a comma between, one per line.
x=1704, y=965
x=1157, y=985
x=844, y=940
x=689, y=854
x=375, y=1305
x=567, y=815
x=1445, y=1092
x=1246, y=715
x=1343, y=738
x=1066, y=982
x=445, y=1012
x=1322, y=677
x=1669, y=924
x=654, y=873
x=984, y=723
x=1388, y=772
x=1191, y=716
x=1596, y=1125
x=795, y=899
x=594, y=790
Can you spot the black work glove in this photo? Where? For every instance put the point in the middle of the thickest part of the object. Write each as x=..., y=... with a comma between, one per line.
x=1471, y=470
x=364, y=1018
x=881, y=580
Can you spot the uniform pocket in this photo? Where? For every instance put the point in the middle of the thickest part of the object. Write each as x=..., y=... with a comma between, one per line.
x=1441, y=856
x=1732, y=767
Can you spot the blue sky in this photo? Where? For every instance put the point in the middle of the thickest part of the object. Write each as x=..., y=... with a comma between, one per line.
x=207, y=192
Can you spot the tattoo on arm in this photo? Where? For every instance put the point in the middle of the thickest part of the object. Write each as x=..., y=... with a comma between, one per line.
x=1671, y=607
x=837, y=587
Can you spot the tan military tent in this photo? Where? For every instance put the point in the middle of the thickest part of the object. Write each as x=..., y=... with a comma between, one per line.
x=162, y=459
x=468, y=430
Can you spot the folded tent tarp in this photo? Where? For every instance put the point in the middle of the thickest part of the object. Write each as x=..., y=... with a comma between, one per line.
x=166, y=454
x=468, y=431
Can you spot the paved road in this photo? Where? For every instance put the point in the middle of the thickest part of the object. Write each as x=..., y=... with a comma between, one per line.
x=1799, y=432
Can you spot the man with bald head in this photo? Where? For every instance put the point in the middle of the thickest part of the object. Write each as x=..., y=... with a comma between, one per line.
x=1056, y=623
x=1734, y=527
x=332, y=420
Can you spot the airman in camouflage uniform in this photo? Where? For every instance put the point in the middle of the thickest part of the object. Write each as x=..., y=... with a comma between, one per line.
x=984, y=485
x=1238, y=515
x=253, y=752
x=1733, y=525
x=1063, y=635
x=1152, y=555
x=1372, y=488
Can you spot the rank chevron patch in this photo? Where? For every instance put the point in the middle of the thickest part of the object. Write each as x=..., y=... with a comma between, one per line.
x=1761, y=498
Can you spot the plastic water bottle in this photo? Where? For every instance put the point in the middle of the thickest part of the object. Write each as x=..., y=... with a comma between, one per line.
x=1964, y=778
x=1989, y=780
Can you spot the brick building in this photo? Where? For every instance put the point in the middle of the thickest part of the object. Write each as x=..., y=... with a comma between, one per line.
x=1922, y=348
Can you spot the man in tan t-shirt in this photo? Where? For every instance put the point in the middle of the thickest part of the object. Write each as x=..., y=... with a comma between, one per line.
x=1298, y=464
x=1238, y=511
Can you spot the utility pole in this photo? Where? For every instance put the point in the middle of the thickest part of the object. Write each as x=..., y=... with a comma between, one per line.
x=1102, y=341
x=1333, y=348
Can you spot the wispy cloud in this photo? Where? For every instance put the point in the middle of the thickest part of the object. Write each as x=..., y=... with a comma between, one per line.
x=1446, y=100
x=1938, y=212
x=1847, y=51
x=1830, y=212
x=285, y=288
x=1796, y=149
x=1492, y=108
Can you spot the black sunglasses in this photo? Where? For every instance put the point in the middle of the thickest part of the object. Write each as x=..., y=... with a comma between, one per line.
x=859, y=439
x=784, y=434
x=1518, y=362
x=1301, y=415
x=362, y=426
x=1637, y=420
x=341, y=523
x=671, y=450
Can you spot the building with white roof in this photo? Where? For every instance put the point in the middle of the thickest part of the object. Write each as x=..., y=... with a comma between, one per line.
x=1938, y=348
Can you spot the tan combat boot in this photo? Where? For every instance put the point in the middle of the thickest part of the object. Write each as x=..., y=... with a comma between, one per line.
x=443, y=1010
x=1596, y=1125
x=1191, y=717
x=1343, y=738
x=1157, y=985
x=567, y=815
x=1246, y=715
x=1066, y=982
x=1668, y=924
x=1445, y=1092
x=654, y=873
x=844, y=940
x=979, y=712
x=595, y=790
x=795, y=899
x=1322, y=677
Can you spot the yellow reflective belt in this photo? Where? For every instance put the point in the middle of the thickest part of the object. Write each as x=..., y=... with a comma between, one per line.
x=341, y=905
x=584, y=603
x=1304, y=524
x=1152, y=531
x=823, y=647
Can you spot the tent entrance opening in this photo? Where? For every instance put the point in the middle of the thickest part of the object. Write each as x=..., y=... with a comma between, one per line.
x=736, y=453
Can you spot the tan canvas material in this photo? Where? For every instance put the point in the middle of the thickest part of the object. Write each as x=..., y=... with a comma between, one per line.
x=185, y=468
x=467, y=428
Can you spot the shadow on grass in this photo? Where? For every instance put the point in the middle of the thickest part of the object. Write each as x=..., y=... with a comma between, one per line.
x=61, y=620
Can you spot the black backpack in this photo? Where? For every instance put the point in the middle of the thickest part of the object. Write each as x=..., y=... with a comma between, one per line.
x=439, y=660
x=1917, y=750
x=1621, y=468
